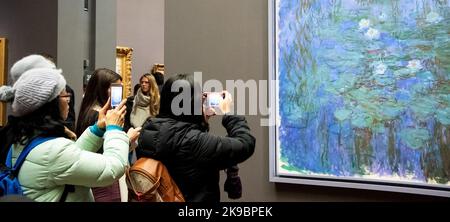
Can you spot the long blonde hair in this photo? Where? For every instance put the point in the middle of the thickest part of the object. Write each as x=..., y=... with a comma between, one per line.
x=153, y=93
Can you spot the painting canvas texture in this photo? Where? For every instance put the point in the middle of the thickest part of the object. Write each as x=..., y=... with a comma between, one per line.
x=364, y=90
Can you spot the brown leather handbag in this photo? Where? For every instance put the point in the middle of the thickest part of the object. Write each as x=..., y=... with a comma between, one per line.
x=148, y=180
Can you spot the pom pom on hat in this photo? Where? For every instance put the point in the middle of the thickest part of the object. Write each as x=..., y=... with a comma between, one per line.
x=6, y=93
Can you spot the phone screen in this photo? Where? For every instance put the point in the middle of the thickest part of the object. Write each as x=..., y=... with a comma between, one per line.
x=213, y=101
x=116, y=95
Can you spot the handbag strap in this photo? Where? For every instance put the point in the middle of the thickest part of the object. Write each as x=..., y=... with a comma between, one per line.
x=23, y=155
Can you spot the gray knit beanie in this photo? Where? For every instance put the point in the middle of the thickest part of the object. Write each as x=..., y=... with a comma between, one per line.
x=33, y=88
x=27, y=63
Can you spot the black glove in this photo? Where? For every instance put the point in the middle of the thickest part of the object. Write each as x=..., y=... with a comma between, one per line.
x=233, y=185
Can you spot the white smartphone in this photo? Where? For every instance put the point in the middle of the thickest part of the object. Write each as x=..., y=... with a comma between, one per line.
x=213, y=101
x=116, y=94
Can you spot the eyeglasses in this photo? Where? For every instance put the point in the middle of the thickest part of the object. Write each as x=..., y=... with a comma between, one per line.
x=66, y=96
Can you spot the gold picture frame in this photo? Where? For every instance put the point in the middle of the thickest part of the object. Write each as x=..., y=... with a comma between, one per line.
x=124, y=67
x=3, y=76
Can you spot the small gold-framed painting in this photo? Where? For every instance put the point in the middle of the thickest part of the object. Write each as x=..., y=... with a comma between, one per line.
x=3, y=77
x=123, y=68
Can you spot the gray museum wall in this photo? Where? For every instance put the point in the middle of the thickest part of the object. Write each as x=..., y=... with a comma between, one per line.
x=85, y=35
x=140, y=25
x=73, y=44
x=227, y=40
x=105, y=34
x=29, y=30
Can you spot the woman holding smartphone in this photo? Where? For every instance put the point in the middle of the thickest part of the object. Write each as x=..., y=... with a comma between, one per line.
x=40, y=105
x=182, y=142
x=98, y=90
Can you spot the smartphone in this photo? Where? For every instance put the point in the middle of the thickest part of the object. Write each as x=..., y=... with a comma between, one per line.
x=116, y=94
x=213, y=101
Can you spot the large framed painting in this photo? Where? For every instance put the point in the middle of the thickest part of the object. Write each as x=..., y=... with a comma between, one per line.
x=124, y=67
x=3, y=77
x=362, y=97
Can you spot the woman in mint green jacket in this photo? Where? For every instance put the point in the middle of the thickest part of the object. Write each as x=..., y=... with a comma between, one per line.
x=55, y=163
x=39, y=106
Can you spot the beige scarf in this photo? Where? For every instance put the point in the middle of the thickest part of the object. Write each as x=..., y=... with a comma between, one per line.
x=141, y=109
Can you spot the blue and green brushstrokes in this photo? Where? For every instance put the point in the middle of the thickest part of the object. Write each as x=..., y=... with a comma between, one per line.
x=365, y=88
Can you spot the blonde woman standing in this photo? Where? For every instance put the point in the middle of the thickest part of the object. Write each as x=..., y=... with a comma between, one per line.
x=144, y=104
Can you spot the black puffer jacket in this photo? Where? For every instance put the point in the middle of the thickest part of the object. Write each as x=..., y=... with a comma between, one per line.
x=195, y=157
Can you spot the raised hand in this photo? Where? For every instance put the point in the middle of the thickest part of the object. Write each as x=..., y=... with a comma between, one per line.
x=227, y=103
x=133, y=134
x=116, y=116
x=101, y=121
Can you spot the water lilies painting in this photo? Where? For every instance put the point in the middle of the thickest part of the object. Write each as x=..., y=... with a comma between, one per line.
x=364, y=92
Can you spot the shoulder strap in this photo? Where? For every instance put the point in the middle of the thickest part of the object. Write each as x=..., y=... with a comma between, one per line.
x=31, y=145
x=26, y=150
